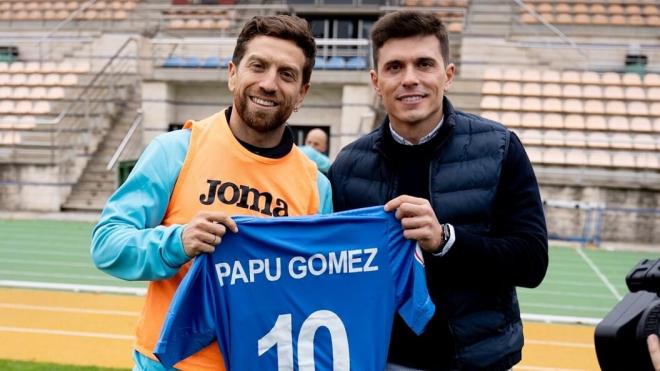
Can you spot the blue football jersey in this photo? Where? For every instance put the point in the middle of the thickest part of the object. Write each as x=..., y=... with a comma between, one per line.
x=300, y=293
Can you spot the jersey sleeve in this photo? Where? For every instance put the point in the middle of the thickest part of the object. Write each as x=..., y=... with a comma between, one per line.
x=190, y=324
x=128, y=242
x=407, y=268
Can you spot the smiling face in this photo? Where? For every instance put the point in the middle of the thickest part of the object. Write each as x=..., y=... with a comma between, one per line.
x=411, y=77
x=266, y=85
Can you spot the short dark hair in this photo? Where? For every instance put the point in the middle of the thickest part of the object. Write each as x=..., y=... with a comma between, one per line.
x=406, y=23
x=285, y=27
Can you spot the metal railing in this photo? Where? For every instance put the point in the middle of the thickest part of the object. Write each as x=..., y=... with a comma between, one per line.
x=124, y=142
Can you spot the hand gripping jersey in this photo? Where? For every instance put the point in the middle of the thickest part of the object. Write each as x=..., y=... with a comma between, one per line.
x=300, y=293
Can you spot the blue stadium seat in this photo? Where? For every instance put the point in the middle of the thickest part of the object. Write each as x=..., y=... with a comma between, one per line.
x=356, y=63
x=191, y=62
x=211, y=62
x=173, y=62
x=336, y=63
x=224, y=62
x=319, y=63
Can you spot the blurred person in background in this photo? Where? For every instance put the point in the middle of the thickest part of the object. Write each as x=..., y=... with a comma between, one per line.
x=316, y=145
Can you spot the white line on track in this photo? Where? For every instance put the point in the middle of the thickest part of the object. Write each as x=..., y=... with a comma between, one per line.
x=44, y=252
x=69, y=310
x=73, y=287
x=44, y=331
x=542, y=292
x=547, y=318
x=600, y=275
x=59, y=275
x=571, y=307
x=47, y=263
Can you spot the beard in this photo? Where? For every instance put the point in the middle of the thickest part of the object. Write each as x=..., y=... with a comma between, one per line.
x=262, y=121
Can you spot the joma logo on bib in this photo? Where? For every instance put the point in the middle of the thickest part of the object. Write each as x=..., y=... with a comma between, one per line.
x=243, y=196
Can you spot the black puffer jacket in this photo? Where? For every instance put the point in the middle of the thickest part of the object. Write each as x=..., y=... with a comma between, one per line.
x=480, y=181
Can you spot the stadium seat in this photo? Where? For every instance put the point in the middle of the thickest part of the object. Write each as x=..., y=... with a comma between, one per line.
x=618, y=123
x=356, y=63
x=510, y=119
x=173, y=62
x=572, y=106
x=647, y=161
x=55, y=93
x=574, y=121
x=35, y=79
x=644, y=142
x=599, y=158
x=553, y=120
x=611, y=78
x=652, y=79
x=550, y=76
x=631, y=79
x=531, y=104
x=41, y=107
x=23, y=106
x=531, y=89
x=511, y=103
x=553, y=138
x=655, y=109
x=595, y=122
x=553, y=156
x=575, y=139
x=635, y=92
x=597, y=139
x=491, y=87
x=52, y=79
x=335, y=63
x=640, y=124
x=572, y=91
x=531, y=137
x=69, y=79
x=531, y=119
x=535, y=154
x=490, y=102
x=491, y=115
x=590, y=77
x=38, y=92
x=551, y=90
x=6, y=92
x=21, y=92
x=615, y=107
x=637, y=108
x=319, y=63
x=190, y=62
x=570, y=77
x=511, y=74
x=576, y=157
x=493, y=74
x=613, y=92
x=511, y=88
x=621, y=141
x=18, y=79
x=552, y=105
x=592, y=91
x=531, y=75
x=623, y=159
x=653, y=94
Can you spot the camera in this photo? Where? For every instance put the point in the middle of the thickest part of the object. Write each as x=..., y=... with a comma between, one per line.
x=620, y=337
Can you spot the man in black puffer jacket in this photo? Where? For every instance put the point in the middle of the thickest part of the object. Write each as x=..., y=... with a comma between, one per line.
x=463, y=187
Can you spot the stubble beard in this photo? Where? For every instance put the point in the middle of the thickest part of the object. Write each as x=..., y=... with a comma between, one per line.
x=260, y=121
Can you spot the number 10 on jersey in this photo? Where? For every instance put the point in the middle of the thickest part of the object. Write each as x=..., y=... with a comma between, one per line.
x=281, y=336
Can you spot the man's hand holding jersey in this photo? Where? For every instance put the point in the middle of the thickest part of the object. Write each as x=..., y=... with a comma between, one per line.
x=418, y=221
x=205, y=231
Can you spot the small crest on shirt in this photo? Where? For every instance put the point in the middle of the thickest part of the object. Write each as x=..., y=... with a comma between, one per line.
x=418, y=254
